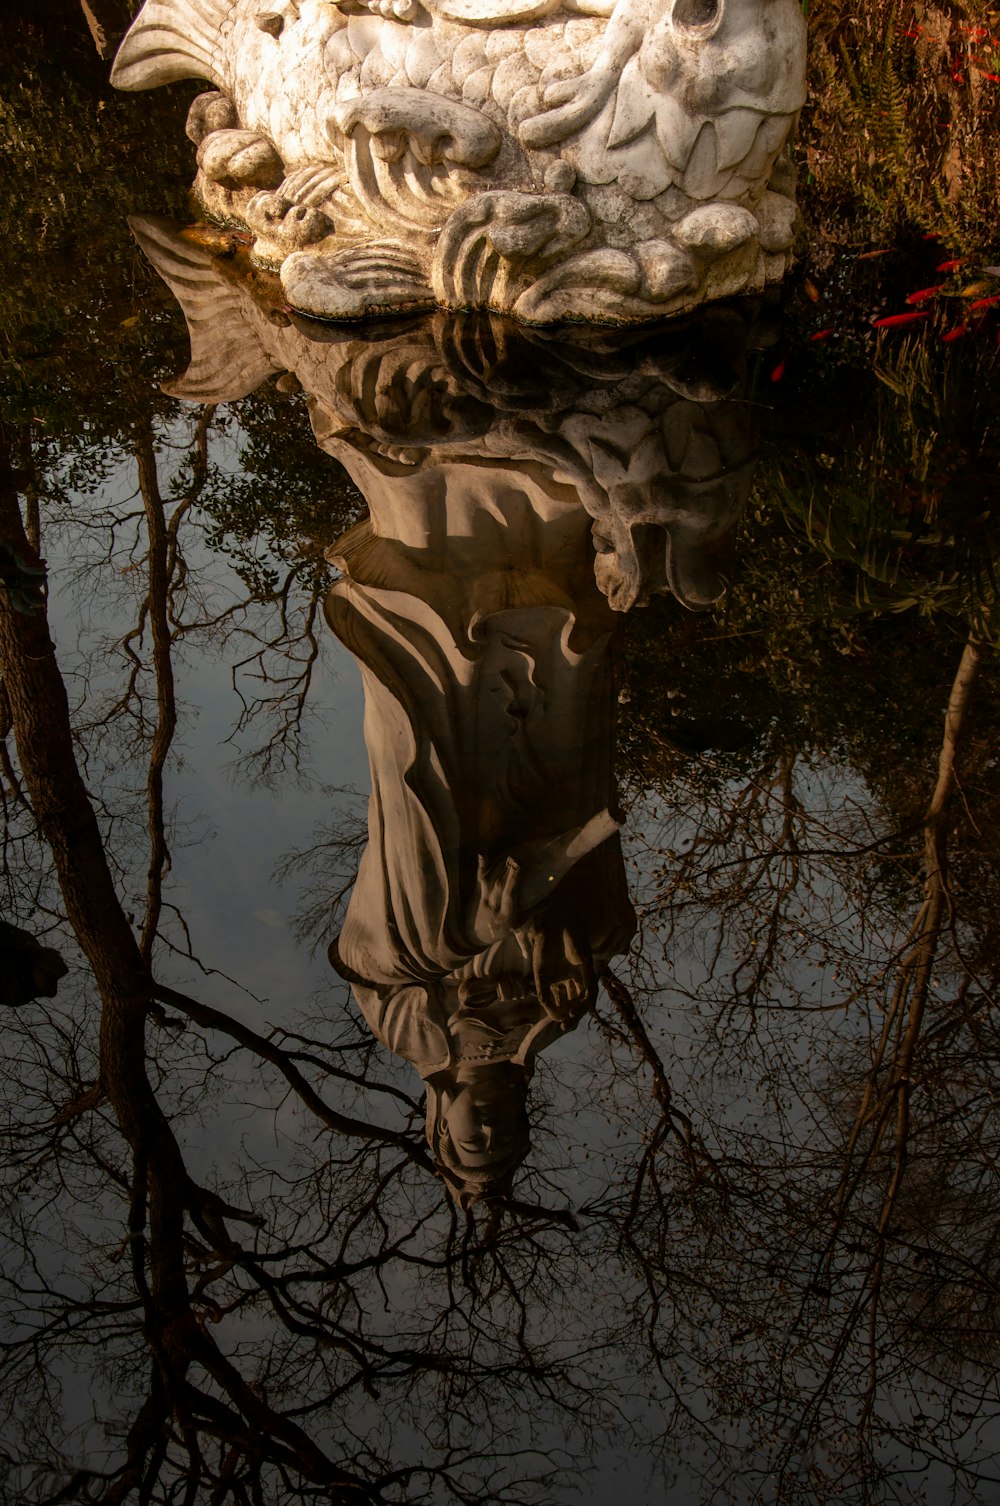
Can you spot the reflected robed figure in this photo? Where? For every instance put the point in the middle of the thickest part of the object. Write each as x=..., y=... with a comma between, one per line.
x=492, y=890
x=524, y=491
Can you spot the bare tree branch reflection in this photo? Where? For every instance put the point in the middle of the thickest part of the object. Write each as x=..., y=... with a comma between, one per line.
x=200, y=1423
x=755, y=1258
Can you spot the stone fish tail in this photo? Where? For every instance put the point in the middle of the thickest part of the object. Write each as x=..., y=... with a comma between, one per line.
x=171, y=40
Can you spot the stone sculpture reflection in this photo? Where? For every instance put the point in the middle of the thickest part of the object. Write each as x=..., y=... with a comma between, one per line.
x=649, y=432
x=523, y=492
x=492, y=891
x=553, y=159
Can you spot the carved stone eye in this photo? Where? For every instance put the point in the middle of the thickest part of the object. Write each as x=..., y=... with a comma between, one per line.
x=696, y=15
x=271, y=22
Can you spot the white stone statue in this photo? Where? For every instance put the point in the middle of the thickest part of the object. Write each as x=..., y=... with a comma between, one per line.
x=552, y=159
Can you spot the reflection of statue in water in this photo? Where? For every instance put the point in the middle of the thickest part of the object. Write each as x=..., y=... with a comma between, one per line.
x=492, y=891
x=524, y=490
x=648, y=433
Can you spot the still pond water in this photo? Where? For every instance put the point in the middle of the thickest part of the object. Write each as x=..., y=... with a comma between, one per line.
x=550, y=780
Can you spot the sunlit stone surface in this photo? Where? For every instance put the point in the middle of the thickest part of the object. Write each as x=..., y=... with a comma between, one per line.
x=580, y=160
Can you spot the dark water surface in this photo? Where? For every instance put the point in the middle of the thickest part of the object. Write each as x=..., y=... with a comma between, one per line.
x=499, y=880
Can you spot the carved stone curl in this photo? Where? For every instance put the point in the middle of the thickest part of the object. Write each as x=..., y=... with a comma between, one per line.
x=551, y=159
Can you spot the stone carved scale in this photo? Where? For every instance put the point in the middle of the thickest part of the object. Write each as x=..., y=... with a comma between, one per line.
x=521, y=487
x=551, y=159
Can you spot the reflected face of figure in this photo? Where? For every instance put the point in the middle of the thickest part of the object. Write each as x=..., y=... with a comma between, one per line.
x=484, y=1119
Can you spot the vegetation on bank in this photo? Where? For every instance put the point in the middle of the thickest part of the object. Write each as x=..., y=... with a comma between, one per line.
x=901, y=129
